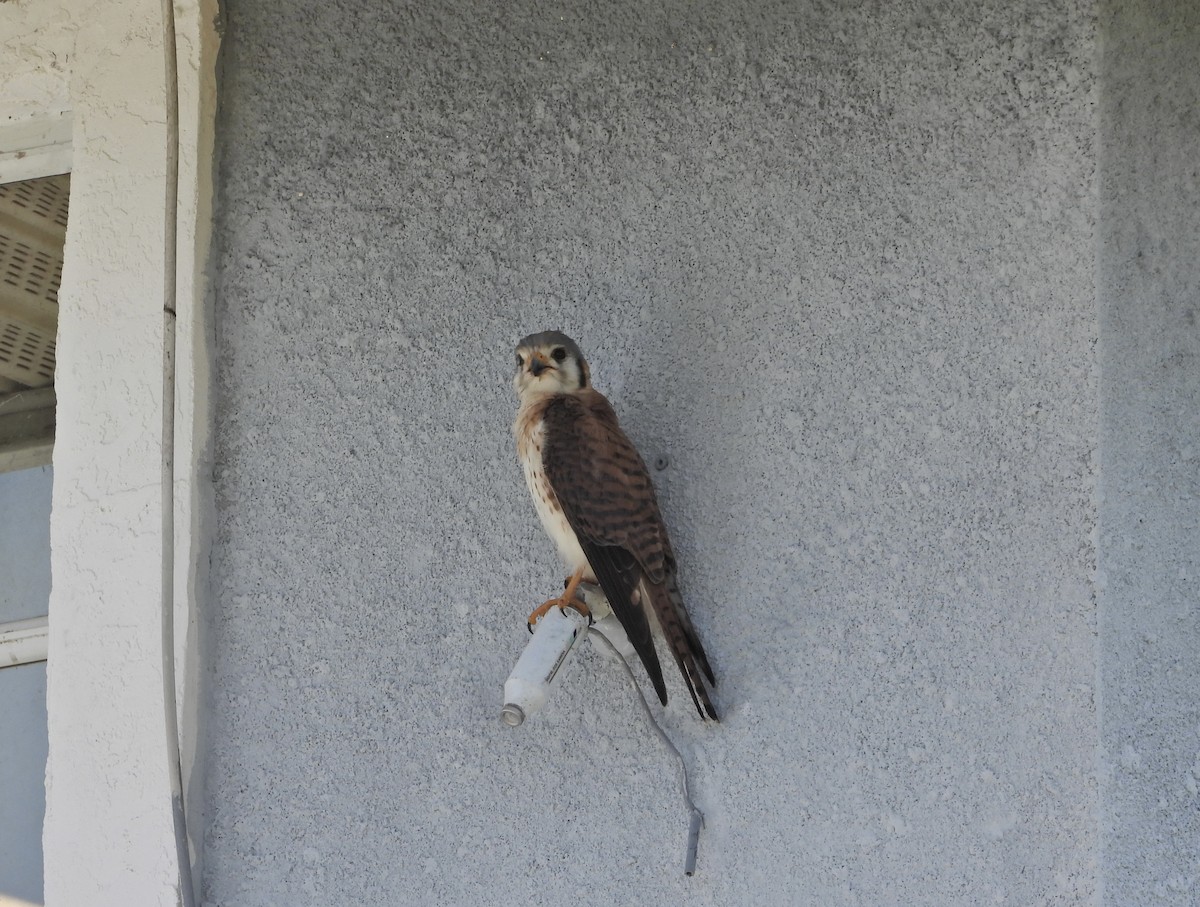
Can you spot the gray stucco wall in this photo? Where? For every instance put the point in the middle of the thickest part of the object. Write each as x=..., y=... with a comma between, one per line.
x=1149, y=543
x=838, y=262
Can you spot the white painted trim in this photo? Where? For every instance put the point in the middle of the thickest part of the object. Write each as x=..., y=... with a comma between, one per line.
x=36, y=146
x=27, y=455
x=23, y=642
x=9, y=901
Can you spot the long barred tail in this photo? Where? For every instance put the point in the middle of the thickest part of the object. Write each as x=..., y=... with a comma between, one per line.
x=685, y=645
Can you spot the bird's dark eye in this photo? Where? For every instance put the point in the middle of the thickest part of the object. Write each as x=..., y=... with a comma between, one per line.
x=558, y=354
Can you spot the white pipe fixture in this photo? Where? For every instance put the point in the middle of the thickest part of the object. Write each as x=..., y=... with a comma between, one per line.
x=23, y=641
x=556, y=636
x=528, y=686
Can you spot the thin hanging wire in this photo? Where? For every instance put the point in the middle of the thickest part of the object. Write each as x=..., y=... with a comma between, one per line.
x=697, y=817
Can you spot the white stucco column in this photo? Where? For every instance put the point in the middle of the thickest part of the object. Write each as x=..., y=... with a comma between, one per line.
x=127, y=507
x=109, y=829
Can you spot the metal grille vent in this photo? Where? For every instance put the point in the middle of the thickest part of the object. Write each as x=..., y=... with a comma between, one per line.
x=30, y=270
x=43, y=200
x=33, y=222
x=26, y=356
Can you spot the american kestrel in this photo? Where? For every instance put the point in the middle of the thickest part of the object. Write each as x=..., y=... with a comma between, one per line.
x=596, y=501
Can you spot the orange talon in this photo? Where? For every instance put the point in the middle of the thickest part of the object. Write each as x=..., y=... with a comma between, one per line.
x=566, y=600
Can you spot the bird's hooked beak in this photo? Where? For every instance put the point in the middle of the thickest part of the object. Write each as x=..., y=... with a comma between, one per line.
x=538, y=364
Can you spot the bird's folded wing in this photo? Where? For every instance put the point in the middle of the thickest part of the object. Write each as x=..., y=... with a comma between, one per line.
x=606, y=494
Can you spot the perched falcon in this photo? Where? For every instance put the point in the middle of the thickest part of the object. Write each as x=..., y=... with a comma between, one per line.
x=595, y=499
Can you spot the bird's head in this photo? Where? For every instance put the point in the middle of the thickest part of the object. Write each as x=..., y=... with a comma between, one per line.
x=549, y=363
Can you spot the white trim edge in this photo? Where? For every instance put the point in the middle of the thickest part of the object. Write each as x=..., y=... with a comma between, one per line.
x=7, y=900
x=23, y=642
x=38, y=146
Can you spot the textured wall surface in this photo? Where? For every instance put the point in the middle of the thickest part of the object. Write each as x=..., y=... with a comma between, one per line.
x=836, y=260
x=36, y=41
x=1149, y=544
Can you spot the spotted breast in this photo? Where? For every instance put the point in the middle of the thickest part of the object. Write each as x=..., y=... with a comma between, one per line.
x=530, y=432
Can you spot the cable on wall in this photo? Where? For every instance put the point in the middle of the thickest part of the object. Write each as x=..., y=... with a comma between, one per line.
x=696, y=821
x=186, y=891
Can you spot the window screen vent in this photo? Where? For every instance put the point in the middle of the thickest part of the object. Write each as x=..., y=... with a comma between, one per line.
x=33, y=223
